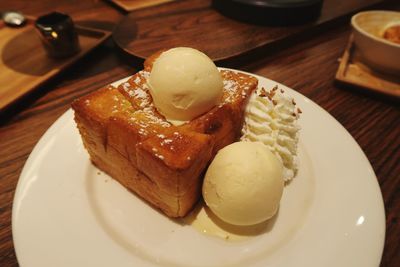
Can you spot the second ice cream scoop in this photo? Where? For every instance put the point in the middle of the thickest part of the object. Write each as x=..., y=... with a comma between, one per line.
x=243, y=184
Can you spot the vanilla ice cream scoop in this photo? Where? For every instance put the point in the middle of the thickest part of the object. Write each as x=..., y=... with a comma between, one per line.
x=184, y=83
x=244, y=184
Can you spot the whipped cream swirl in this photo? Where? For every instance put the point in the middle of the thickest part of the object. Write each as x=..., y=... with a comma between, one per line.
x=271, y=118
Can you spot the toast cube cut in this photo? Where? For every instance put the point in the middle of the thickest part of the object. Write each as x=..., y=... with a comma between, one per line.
x=175, y=161
x=92, y=113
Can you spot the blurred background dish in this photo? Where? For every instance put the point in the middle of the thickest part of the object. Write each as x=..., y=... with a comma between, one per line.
x=369, y=29
x=271, y=12
x=14, y=19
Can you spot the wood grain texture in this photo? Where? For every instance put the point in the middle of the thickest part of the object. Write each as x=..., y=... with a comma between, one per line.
x=24, y=64
x=195, y=25
x=130, y=5
x=307, y=65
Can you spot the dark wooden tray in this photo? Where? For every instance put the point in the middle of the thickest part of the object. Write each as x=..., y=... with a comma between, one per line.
x=24, y=64
x=354, y=72
x=196, y=24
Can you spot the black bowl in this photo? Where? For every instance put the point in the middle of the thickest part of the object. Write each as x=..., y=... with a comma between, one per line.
x=270, y=12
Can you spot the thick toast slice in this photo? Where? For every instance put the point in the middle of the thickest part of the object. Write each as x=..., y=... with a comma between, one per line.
x=164, y=164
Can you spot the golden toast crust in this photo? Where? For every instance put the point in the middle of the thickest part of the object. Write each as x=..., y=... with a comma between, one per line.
x=127, y=138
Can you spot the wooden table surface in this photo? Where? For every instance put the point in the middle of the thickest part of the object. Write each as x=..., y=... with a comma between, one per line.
x=307, y=64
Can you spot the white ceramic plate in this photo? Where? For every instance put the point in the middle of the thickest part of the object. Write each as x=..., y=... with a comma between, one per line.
x=68, y=213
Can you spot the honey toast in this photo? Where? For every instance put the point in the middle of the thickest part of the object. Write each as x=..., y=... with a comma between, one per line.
x=164, y=164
